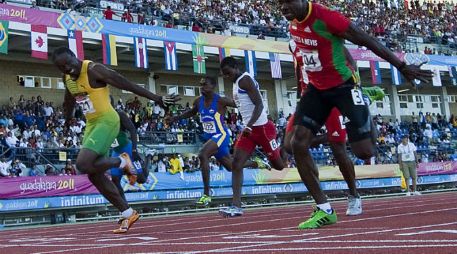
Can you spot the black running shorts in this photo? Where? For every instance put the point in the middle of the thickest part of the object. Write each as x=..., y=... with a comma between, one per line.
x=315, y=105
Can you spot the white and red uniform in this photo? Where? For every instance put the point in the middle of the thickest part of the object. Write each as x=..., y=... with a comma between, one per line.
x=336, y=131
x=263, y=131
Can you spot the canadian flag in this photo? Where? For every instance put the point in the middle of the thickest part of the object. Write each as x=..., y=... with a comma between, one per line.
x=39, y=41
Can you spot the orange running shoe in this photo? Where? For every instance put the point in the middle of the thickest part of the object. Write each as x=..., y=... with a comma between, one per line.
x=126, y=223
x=129, y=170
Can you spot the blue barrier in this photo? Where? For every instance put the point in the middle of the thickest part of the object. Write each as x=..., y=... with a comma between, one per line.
x=88, y=200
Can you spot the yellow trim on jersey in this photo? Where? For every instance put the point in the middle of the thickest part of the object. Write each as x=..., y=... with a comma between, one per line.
x=310, y=8
x=217, y=116
x=98, y=98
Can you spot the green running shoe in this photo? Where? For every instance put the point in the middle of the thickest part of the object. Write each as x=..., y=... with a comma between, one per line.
x=261, y=163
x=204, y=200
x=375, y=93
x=318, y=219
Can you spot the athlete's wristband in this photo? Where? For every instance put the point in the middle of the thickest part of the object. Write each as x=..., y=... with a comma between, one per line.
x=249, y=128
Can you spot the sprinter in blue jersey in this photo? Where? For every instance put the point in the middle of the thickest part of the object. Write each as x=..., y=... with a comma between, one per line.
x=212, y=107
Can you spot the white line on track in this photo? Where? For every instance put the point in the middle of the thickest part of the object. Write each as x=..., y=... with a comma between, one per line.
x=269, y=213
x=174, y=219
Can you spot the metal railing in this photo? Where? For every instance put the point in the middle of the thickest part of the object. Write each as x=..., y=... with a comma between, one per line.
x=165, y=137
x=322, y=156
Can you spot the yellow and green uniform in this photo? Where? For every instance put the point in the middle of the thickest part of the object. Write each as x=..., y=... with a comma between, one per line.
x=102, y=125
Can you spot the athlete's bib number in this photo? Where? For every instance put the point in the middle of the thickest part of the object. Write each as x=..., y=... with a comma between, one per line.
x=357, y=97
x=86, y=104
x=115, y=143
x=311, y=60
x=273, y=144
x=209, y=127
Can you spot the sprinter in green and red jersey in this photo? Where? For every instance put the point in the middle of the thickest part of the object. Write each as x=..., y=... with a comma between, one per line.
x=319, y=33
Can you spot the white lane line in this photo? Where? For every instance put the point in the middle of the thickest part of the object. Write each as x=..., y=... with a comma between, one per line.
x=158, y=221
x=279, y=250
x=446, y=231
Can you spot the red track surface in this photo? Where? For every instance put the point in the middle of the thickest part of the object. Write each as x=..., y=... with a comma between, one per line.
x=418, y=224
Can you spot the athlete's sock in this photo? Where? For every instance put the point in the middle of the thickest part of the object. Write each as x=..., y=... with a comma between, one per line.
x=326, y=207
x=123, y=162
x=127, y=213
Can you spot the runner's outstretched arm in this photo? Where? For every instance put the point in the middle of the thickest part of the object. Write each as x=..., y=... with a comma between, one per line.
x=187, y=114
x=227, y=102
x=411, y=72
x=102, y=73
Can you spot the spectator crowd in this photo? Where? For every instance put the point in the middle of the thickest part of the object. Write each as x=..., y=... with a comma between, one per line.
x=392, y=21
x=29, y=127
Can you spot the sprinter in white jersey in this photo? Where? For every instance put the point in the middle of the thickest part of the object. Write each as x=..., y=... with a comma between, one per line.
x=258, y=130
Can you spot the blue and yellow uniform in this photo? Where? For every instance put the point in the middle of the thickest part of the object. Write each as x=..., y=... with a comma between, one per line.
x=214, y=126
x=121, y=144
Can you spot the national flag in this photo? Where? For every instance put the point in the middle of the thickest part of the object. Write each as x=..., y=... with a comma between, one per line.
x=198, y=55
x=375, y=73
x=250, y=61
x=223, y=53
x=4, y=36
x=141, y=52
x=171, y=60
x=275, y=64
x=39, y=41
x=396, y=75
x=436, y=80
x=453, y=74
x=75, y=43
x=109, y=49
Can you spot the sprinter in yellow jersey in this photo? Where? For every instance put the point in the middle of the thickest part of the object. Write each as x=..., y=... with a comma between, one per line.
x=86, y=85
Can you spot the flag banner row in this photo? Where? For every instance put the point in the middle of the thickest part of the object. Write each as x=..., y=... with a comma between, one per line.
x=39, y=49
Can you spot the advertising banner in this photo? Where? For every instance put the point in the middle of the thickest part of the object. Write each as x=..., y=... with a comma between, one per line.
x=8, y=205
x=45, y=186
x=367, y=55
x=434, y=168
x=28, y=16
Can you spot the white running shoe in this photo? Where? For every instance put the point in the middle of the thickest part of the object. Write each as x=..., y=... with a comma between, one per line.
x=408, y=193
x=354, y=206
x=416, y=193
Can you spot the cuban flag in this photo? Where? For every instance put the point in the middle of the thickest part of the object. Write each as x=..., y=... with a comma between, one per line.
x=375, y=73
x=223, y=53
x=75, y=43
x=396, y=75
x=141, y=52
x=171, y=60
x=39, y=41
x=250, y=61
x=275, y=64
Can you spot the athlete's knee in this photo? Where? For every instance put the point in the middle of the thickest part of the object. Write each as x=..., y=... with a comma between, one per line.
x=93, y=178
x=339, y=150
x=301, y=139
x=363, y=149
x=202, y=157
x=287, y=147
x=84, y=166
